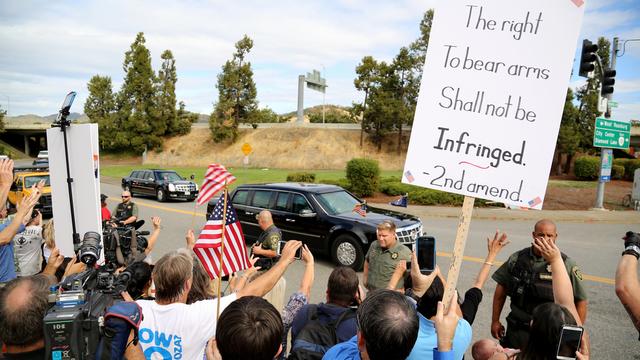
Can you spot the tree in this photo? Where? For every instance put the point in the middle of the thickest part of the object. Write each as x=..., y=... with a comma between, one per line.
x=2, y=114
x=100, y=103
x=166, y=94
x=420, y=45
x=568, y=136
x=405, y=76
x=137, y=116
x=367, y=72
x=236, y=94
x=100, y=108
x=184, y=120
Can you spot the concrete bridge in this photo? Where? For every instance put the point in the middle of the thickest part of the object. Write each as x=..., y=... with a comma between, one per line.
x=29, y=138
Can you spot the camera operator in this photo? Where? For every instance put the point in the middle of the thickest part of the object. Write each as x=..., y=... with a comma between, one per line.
x=127, y=211
x=627, y=284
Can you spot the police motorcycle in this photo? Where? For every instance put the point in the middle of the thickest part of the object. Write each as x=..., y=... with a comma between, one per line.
x=123, y=244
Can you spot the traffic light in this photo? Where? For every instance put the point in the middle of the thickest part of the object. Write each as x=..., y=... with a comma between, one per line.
x=588, y=58
x=608, y=80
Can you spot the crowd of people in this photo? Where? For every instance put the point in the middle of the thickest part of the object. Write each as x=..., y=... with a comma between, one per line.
x=394, y=311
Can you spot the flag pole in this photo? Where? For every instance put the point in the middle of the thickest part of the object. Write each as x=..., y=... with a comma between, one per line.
x=193, y=216
x=224, y=225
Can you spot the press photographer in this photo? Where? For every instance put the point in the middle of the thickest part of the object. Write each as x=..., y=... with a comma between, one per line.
x=89, y=318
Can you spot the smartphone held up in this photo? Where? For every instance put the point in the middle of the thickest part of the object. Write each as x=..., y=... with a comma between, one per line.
x=425, y=248
x=281, y=245
x=569, y=342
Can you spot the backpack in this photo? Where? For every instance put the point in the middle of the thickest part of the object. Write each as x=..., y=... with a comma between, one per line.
x=315, y=338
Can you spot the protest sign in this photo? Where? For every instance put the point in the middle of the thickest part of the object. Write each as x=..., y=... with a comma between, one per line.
x=493, y=90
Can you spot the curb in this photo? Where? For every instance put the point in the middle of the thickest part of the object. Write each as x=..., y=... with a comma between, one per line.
x=580, y=216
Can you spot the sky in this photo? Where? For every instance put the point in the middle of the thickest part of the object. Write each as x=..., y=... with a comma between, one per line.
x=48, y=48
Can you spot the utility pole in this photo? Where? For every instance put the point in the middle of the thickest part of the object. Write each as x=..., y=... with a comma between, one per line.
x=607, y=114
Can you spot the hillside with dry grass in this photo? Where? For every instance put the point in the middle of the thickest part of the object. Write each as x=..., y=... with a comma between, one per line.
x=282, y=148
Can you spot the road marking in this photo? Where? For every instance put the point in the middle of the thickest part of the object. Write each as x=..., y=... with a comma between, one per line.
x=191, y=213
x=593, y=278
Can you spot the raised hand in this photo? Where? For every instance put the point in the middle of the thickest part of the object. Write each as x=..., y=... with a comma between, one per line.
x=547, y=249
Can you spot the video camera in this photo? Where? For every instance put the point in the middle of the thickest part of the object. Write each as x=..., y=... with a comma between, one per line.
x=124, y=245
x=75, y=324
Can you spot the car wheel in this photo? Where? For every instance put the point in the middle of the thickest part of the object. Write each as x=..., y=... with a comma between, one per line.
x=160, y=195
x=346, y=251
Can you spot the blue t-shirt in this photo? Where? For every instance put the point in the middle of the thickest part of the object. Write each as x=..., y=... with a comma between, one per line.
x=326, y=313
x=7, y=264
x=427, y=340
x=347, y=350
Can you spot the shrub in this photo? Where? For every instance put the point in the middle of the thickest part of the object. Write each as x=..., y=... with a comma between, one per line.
x=304, y=177
x=343, y=183
x=587, y=168
x=630, y=167
x=617, y=172
x=363, y=176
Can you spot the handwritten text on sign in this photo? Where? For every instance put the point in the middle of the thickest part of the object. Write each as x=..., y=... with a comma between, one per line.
x=492, y=94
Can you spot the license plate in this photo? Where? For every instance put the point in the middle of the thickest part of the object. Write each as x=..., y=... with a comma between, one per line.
x=187, y=193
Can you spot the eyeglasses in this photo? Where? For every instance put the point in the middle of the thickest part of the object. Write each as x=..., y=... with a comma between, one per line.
x=125, y=197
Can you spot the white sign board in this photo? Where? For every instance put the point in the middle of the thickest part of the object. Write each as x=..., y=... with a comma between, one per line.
x=82, y=142
x=493, y=90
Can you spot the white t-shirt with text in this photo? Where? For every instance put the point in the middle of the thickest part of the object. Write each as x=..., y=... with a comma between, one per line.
x=27, y=250
x=178, y=331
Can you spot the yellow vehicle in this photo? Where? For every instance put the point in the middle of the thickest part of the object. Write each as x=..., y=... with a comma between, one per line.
x=23, y=180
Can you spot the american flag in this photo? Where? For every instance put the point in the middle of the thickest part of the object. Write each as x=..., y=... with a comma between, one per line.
x=214, y=180
x=358, y=209
x=208, y=245
x=535, y=201
x=409, y=176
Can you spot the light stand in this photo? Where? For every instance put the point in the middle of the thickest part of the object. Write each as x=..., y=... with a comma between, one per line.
x=63, y=123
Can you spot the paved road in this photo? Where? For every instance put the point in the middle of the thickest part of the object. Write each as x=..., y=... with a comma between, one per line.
x=595, y=246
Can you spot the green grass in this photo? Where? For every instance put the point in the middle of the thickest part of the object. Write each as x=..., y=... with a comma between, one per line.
x=244, y=176
x=573, y=184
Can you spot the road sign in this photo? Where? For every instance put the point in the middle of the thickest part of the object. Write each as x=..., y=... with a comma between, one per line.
x=315, y=81
x=246, y=149
x=613, y=104
x=611, y=134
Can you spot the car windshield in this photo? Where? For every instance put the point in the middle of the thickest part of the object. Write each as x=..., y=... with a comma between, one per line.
x=29, y=181
x=337, y=202
x=168, y=176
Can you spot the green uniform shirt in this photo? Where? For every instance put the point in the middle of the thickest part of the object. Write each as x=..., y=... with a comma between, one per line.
x=382, y=264
x=504, y=277
x=270, y=238
x=124, y=211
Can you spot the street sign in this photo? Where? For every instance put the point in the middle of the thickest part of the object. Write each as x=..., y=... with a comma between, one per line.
x=613, y=104
x=246, y=149
x=315, y=81
x=605, y=165
x=611, y=134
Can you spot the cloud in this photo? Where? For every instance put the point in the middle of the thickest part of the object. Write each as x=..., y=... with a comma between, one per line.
x=58, y=44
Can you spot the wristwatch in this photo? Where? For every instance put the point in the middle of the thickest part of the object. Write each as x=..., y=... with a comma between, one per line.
x=632, y=250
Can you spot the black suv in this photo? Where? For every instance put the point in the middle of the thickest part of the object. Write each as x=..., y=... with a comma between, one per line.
x=321, y=216
x=163, y=184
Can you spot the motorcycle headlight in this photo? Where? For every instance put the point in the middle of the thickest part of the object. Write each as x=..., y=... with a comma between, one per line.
x=172, y=187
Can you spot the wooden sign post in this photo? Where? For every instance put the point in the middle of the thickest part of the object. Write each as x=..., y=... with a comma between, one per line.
x=458, y=249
